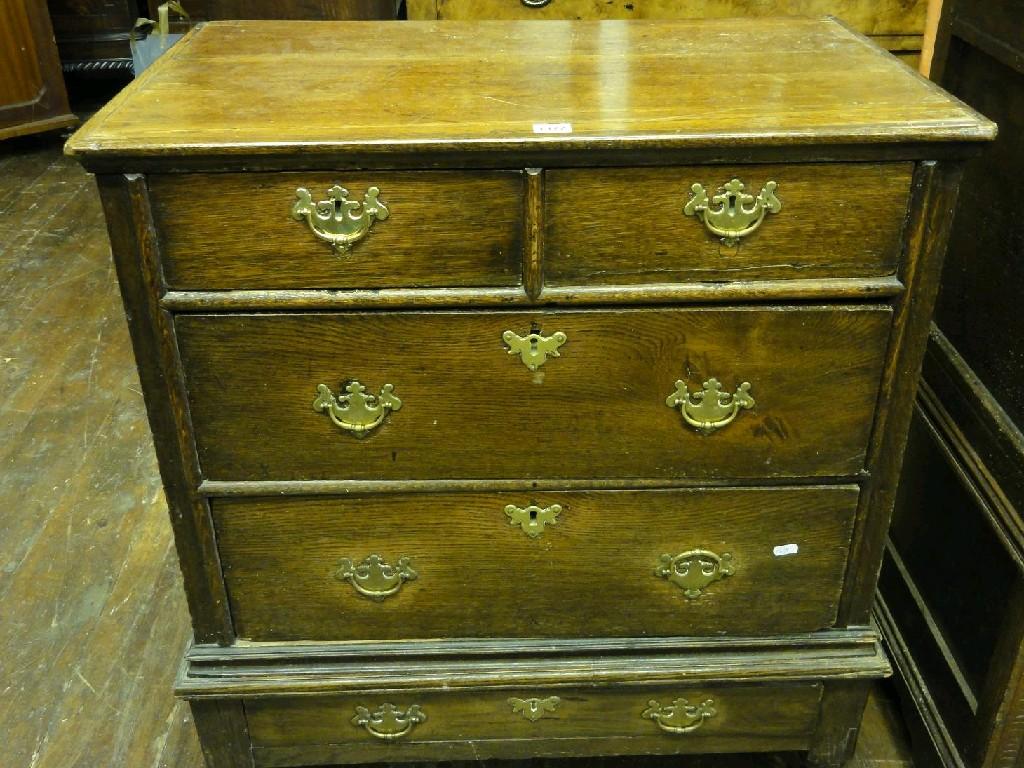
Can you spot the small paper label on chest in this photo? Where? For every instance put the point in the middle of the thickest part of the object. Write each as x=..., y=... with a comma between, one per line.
x=786, y=549
x=552, y=127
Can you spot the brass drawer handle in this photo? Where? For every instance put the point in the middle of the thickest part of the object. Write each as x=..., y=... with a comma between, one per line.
x=534, y=709
x=695, y=570
x=680, y=716
x=389, y=722
x=535, y=3
x=374, y=578
x=732, y=213
x=355, y=411
x=533, y=349
x=338, y=220
x=532, y=519
x=710, y=408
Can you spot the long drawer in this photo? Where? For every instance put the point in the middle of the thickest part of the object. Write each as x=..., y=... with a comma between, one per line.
x=671, y=393
x=481, y=724
x=566, y=564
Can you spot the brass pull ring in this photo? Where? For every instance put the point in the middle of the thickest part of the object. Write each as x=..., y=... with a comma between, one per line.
x=695, y=571
x=535, y=3
x=338, y=220
x=732, y=213
x=389, y=722
x=355, y=411
x=374, y=578
x=710, y=408
x=680, y=716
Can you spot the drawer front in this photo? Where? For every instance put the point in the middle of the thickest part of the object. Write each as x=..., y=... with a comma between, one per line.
x=561, y=564
x=469, y=409
x=237, y=231
x=628, y=226
x=483, y=724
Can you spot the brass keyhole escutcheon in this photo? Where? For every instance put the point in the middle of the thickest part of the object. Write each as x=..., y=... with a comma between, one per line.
x=534, y=349
x=534, y=709
x=532, y=519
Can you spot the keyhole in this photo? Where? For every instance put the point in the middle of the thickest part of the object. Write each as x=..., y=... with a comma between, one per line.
x=533, y=514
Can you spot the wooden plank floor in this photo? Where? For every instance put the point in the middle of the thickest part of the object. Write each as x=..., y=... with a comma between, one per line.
x=92, y=617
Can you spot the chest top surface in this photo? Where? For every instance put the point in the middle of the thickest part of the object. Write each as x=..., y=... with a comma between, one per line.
x=274, y=88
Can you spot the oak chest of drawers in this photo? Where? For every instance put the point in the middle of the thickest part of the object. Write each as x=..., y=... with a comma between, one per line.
x=528, y=389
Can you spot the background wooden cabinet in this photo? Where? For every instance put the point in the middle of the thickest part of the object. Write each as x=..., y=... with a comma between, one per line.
x=952, y=587
x=894, y=24
x=32, y=95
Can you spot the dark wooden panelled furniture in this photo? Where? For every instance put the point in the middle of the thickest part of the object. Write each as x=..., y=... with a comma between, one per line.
x=897, y=25
x=523, y=395
x=32, y=95
x=952, y=588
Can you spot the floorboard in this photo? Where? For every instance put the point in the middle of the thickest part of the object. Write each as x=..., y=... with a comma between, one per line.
x=92, y=617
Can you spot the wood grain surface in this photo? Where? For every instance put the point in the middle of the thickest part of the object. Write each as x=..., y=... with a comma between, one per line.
x=626, y=225
x=93, y=611
x=591, y=574
x=445, y=229
x=471, y=410
x=483, y=86
x=484, y=721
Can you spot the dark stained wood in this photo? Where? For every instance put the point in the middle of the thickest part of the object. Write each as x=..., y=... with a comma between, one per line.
x=481, y=725
x=471, y=410
x=962, y=662
x=932, y=202
x=832, y=403
x=223, y=730
x=836, y=737
x=134, y=248
x=90, y=581
x=444, y=229
x=485, y=93
x=986, y=242
x=93, y=36
x=596, y=563
x=32, y=95
x=615, y=226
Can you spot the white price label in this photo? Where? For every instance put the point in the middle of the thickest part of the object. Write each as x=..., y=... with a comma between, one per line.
x=552, y=127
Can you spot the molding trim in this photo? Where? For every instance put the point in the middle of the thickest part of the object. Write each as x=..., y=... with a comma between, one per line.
x=273, y=669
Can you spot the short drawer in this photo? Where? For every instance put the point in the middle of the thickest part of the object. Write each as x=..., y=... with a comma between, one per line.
x=475, y=725
x=237, y=231
x=627, y=226
x=662, y=563
x=607, y=406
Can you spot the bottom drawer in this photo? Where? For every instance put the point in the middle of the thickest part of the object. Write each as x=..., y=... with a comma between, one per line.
x=436, y=725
